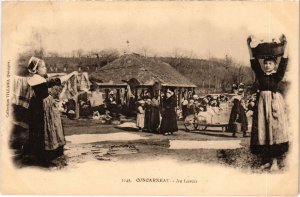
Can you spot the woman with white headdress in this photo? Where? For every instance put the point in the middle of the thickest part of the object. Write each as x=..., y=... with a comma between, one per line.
x=169, y=116
x=269, y=137
x=46, y=136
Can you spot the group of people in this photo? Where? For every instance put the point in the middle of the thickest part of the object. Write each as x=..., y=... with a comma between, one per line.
x=197, y=104
x=269, y=135
x=154, y=118
x=92, y=104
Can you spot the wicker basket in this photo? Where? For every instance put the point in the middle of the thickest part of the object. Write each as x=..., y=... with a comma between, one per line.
x=264, y=50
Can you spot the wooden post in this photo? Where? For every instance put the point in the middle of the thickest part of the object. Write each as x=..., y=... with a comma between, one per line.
x=106, y=93
x=76, y=107
x=126, y=97
x=185, y=93
x=175, y=92
x=180, y=96
x=142, y=93
x=159, y=96
x=77, y=110
x=138, y=91
x=118, y=96
x=209, y=76
x=134, y=91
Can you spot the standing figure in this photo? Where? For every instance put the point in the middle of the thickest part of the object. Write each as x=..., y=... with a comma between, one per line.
x=148, y=109
x=184, y=107
x=46, y=136
x=191, y=108
x=155, y=115
x=238, y=115
x=140, y=117
x=112, y=103
x=269, y=137
x=169, y=117
x=97, y=100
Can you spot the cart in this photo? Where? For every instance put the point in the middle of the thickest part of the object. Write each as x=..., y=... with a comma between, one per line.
x=193, y=124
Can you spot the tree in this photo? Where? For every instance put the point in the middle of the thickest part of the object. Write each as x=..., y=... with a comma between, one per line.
x=106, y=56
x=79, y=53
x=73, y=53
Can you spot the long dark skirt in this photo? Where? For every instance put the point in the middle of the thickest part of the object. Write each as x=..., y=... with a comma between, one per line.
x=238, y=114
x=169, y=121
x=147, y=118
x=271, y=151
x=267, y=152
x=184, y=111
x=36, y=144
x=154, y=119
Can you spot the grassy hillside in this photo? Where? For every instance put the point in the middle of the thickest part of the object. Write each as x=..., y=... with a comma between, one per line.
x=215, y=74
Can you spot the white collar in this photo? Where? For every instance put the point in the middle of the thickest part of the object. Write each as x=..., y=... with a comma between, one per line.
x=269, y=73
x=36, y=80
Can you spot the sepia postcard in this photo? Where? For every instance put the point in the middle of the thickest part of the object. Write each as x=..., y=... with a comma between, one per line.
x=150, y=98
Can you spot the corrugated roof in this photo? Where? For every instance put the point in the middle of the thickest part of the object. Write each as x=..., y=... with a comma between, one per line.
x=146, y=70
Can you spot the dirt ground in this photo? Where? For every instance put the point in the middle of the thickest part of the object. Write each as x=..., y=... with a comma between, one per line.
x=90, y=140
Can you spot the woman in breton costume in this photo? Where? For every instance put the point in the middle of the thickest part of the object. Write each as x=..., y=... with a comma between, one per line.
x=269, y=137
x=46, y=136
x=169, y=116
x=155, y=114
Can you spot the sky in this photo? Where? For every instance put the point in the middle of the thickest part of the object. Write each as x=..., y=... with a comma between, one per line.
x=195, y=29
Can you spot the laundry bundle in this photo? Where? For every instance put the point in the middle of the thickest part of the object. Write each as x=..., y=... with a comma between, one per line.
x=84, y=82
x=75, y=84
x=22, y=91
x=69, y=88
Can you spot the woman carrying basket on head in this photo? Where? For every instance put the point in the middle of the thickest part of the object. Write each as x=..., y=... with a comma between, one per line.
x=269, y=137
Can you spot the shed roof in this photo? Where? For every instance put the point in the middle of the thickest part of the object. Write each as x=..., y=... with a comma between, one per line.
x=146, y=70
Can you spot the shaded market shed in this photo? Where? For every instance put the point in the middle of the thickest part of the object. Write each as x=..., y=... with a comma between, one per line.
x=147, y=71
